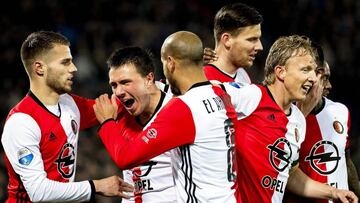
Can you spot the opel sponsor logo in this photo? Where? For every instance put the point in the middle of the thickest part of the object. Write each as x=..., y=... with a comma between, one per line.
x=318, y=157
x=279, y=157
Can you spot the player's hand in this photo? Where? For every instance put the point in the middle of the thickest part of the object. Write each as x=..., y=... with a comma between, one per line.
x=113, y=186
x=105, y=108
x=209, y=55
x=344, y=196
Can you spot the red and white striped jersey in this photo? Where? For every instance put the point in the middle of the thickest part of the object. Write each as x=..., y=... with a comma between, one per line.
x=41, y=148
x=214, y=73
x=267, y=145
x=322, y=154
x=152, y=180
x=200, y=124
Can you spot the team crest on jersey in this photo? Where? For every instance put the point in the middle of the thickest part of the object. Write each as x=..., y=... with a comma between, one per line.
x=66, y=160
x=74, y=126
x=279, y=157
x=318, y=158
x=338, y=127
x=296, y=135
x=25, y=156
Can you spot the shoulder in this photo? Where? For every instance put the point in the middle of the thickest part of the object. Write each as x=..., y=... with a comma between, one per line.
x=69, y=98
x=18, y=126
x=250, y=90
x=296, y=114
x=335, y=105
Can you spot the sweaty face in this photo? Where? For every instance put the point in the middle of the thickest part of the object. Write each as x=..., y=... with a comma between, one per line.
x=299, y=76
x=245, y=46
x=130, y=87
x=60, y=69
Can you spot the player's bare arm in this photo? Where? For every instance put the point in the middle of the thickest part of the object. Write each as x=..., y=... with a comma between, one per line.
x=353, y=178
x=299, y=183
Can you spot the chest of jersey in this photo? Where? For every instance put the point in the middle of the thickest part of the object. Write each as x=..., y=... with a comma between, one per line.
x=267, y=148
x=58, y=142
x=322, y=154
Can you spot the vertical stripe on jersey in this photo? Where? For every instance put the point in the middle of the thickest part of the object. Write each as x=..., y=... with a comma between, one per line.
x=135, y=178
x=313, y=129
x=186, y=167
x=231, y=114
x=347, y=146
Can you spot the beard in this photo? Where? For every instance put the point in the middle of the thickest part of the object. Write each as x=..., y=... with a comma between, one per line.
x=58, y=86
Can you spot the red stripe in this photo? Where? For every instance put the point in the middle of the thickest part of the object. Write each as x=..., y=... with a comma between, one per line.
x=137, y=194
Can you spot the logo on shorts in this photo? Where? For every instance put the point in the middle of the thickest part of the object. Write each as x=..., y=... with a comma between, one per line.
x=74, y=126
x=66, y=160
x=318, y=158
x=338, y=127
x=25, y=156
x=279, y=156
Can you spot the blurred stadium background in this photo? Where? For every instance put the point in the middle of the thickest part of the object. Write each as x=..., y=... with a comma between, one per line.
x=97, y=27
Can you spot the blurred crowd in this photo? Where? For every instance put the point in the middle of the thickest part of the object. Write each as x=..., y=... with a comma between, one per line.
x=96, y=27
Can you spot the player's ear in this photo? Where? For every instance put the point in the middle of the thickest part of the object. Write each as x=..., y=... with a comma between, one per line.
x=226, y=39
x=171, y=64
x=150, y=78
x=39, y=68
x=280, y=72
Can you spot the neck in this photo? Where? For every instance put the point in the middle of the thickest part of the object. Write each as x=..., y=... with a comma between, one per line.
x=155, y=96
x=193, y=75
x=319, y=104
x=224, y=62
x=281, y=99
x=46, y=95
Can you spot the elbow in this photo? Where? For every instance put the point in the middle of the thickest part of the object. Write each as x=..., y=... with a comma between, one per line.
x=34, y=197
x=35, y=191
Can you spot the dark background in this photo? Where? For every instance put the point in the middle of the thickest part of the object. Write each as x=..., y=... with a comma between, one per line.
x=96, y=27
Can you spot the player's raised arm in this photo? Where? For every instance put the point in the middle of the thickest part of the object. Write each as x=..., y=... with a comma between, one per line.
x=129, y=148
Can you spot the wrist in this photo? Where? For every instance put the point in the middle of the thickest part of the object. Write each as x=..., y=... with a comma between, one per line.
x=93, y=191
x=332, y=193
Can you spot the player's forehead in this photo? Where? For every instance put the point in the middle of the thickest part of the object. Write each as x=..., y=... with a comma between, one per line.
x=125, y=71
x=303, y=58
x=250, y=31
x=58, y=53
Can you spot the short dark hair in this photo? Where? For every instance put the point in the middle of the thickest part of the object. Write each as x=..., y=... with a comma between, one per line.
x=319, y=57
x=140, y=58
x=38, y=43
x=233, y=16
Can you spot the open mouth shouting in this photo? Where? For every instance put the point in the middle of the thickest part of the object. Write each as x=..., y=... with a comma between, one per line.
x=306, y=88
x=128, y=103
